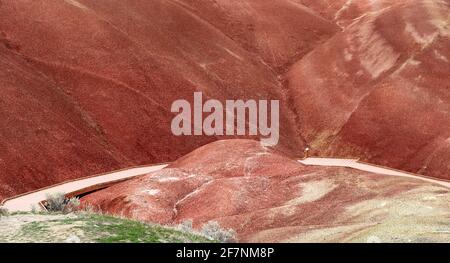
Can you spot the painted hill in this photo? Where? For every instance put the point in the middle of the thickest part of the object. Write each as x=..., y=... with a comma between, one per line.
x=379, y=90
x=267, y=197
x=87, y=85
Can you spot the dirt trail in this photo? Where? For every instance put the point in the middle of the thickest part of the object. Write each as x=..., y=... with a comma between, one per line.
x=12, y=228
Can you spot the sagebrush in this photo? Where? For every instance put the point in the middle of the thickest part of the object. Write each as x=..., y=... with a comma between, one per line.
x=213, y=230
x=58, y=202
x=3, y=211
x=186, y=226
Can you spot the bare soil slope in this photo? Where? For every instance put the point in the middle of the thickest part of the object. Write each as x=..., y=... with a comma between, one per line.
x=265, y=196
x=379, y=90
x=87, y=85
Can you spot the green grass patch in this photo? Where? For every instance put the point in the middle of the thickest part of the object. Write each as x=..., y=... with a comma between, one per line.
x=107, y=229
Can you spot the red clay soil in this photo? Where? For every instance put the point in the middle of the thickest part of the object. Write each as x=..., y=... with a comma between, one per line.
x=265, y=196
x=345, y=12
x=87, y=85
x=379, y=90
x=280, y=32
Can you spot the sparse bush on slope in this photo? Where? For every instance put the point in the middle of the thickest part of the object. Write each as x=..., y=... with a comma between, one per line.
x=186, y=226
x=213, y=231
x=3, y=211
x=59, y=203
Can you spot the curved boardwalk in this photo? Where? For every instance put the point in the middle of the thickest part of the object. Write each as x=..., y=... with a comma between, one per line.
x=26, y=201
x=355, y=164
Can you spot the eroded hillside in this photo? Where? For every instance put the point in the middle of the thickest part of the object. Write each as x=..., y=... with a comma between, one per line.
x=86, y=86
